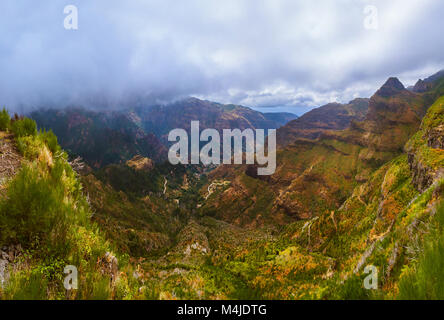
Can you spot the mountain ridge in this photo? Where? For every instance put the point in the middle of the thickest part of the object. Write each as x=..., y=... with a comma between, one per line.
x=121, y=135
x=332, y=116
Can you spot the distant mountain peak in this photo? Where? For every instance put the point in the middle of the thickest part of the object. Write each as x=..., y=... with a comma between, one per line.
x=391, y=87
x=422, y=86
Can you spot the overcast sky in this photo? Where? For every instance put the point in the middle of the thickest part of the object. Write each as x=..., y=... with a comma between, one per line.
x=272, y=55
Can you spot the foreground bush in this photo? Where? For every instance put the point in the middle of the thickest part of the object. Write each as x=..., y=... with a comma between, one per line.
x=5, y=120
x=45, y=211
x=24, y=127
x=425, y=279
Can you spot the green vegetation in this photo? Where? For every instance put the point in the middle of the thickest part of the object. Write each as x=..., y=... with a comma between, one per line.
x=45, y=211
x=347, y=200
x=24, y=127
x=352, y=289
x=5, y=120
x=424, y=279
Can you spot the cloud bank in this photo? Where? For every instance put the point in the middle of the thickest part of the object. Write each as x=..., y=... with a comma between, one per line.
x=287, y=54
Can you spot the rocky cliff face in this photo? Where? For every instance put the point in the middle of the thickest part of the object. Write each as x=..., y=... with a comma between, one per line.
x=435, y=137
x=423, y=176
x=8, y=256
x=426, y=149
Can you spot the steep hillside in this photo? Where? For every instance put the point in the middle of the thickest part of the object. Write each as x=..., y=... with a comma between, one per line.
x=314, y=176
x=393, y=221
x=333, y=116
x=100, y=138
x=142, y=210
x=45, y=224
x=394, y=115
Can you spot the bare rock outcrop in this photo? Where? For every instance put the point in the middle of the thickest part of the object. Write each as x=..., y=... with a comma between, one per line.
x=422, y=175
x=140, y=163
x=435, y=137
x=8, y=255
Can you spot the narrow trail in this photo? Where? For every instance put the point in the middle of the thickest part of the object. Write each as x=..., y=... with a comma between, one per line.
x=165, y=185
x=212, y=187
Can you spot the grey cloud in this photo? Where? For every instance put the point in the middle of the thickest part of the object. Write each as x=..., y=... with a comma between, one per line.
x=267, y=53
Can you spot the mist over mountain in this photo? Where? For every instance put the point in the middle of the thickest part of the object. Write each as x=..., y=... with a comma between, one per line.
x=280, y=53
x=103, y=136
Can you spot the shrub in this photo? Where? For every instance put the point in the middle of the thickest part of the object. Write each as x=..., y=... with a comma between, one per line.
x=31, y=208
x=24, y=127
x=425, y=281
x=28, y=285
x=5, y=120
x=29, y=147
x=45, y=211
x=51, y=140
x=353, y=289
